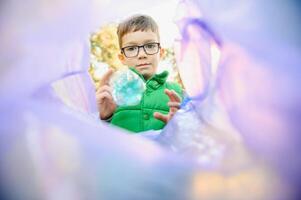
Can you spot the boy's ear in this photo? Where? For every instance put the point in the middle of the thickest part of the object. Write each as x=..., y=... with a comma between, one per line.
x=162, y=52
x=121, y=57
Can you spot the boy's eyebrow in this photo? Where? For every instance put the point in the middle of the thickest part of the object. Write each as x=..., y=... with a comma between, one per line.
x=150, y=40
x=130, y=43
x=136, y=43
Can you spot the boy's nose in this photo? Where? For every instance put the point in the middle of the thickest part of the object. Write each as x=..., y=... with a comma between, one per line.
x=141, y=53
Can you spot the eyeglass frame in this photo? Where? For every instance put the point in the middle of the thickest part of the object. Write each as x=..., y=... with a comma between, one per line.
x=139, y=46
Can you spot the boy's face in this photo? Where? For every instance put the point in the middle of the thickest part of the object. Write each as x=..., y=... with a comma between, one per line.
x=145, y=64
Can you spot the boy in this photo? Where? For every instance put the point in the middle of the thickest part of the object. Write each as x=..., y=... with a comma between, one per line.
x=139, y=42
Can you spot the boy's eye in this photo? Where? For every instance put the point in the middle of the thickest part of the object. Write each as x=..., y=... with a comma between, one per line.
x=150, y=46
x=131, y=48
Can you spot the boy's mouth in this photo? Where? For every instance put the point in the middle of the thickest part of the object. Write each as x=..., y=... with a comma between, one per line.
x=143, y=64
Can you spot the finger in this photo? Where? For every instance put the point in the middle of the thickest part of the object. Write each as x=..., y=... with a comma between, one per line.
x=104, y=88
x=173, y=96
x=171, y=114
x=106, y=77
x=160, y=116
x=103, y=96
x=173, y=106
x=169, y=94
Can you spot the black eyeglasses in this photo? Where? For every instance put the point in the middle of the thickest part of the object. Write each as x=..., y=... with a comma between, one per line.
x=133, y=51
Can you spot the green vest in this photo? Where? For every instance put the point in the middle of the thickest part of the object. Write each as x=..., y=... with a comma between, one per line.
x=139, y=117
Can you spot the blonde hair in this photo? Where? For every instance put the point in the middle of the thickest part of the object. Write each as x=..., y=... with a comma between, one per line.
x=136, y=23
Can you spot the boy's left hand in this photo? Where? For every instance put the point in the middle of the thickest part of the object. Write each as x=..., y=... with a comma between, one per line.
x=174, y=105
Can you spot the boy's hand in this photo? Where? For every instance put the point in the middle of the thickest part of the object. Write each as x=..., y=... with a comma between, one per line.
x=174, y=106
x=105, y=101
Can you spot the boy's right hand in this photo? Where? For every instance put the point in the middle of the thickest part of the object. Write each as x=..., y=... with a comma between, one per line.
x=105, y=102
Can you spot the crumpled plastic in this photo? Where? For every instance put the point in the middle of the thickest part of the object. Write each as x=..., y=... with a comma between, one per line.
x=238, y=129
x=128, y=88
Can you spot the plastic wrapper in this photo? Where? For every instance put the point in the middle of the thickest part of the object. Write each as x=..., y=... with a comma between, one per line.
x=238, y=130
x=128, y=88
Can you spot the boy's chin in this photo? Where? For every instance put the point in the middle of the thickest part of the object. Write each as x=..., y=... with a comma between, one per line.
x=145, y=74
x=143, y=71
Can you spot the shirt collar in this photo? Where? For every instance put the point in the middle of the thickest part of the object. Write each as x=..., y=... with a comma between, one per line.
x=155, y=81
